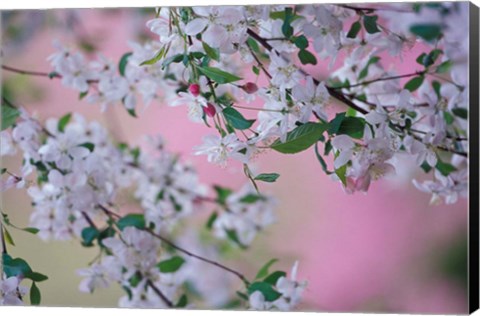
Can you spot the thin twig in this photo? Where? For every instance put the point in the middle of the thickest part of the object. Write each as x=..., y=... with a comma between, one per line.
x=160, y=294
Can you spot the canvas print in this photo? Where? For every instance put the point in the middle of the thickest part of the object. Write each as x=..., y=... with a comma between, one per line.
x=309, y=157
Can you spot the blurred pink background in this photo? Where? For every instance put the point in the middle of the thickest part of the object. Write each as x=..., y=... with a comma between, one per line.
x=384, y=251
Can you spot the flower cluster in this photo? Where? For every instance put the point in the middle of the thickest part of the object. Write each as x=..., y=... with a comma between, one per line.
x=11, y=292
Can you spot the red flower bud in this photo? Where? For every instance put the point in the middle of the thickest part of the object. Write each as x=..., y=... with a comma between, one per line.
x=209, y=110
x=250, y=87
x=194, y=89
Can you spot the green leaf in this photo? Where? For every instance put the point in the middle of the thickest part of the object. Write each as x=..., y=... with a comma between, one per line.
x=255, y=70
x=175, y=59
x=449, y=119
x=460, y=112
x=89, y=234
x=213, y=217
x=122, y=64
x=82, y=95
x=236, y=119
x=232, y=235
x=370, y=24
x=218, y=75
x=213, y=53
x=89, y=146
x=364, y=72
x=251, y=198
x=349, y=125
x=354, y=29
x=428, y=32
x=263, y=272
x=321, y=160
x=35, y=296
x=267, y=177
x=421, y=58
x=301, y=138
x=183, y=301
x=9, y=116
x=342, y=174
x=132, y=112
x=222, y=194
x=152, y=61
x=436, y=87
x=444, y=167
x=253, y=45
x=444, y=67
x=352, y=126
x=171, y=265
x=53, y=74
x=426, y=167
x=8, y=237
x=135, y=220
x=15, y=267
x=301, y=42
x=414, y=83
x=266, y=289
x=36, y=277
x=63, y=121
x=3, y=170
x=306, y=57
x=273, y=278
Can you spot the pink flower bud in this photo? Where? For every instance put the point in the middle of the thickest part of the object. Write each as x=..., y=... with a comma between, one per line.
x=194, y=89
x=250, y=87
x=210, y=110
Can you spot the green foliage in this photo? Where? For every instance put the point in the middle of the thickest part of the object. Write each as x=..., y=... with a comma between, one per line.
x=460, y=112
x=135, y=220
x=306, y=57
x=211, y=219
x=213, y=53
x=348, y=125
x=370, y=24
x=321, y=160
x=63, y=121
x=89, y=146
x=263, y=272
x=444, y=167
x=35, y=296
x=267, y=177
x=414, y=83
x=301, y=138
x=232, y=235
x=236, y=119
x=15, y=267
x=428, y=32
x=222, y=194
x=218, y=75
x=444, y=67
x=89, y=234
x=354, y=29
x=122, y=64
x=171, y=265
x=8, y=237
x=301, y=42
x=159, y=55
x=182, y=302
x=364, y=71
x=266, y=289
x=9, y=116
x=273, y=277
x=251, y=198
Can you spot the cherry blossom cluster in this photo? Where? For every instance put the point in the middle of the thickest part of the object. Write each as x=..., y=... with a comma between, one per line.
x=206, y=55
x=77, y=177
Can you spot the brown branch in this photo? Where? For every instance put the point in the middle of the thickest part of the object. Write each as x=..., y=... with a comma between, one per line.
x=418, y=73
x=51, y=75
x=185, y=251
x=160, y=294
